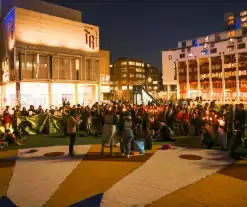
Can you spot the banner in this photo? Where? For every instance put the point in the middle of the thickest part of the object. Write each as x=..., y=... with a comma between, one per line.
x=42, y=123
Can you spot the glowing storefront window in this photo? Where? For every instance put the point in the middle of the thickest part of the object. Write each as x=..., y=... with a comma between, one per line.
x=85, y=94
x=34, y=94
x=63, y=92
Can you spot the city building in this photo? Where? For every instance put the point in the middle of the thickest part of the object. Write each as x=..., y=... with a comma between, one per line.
x=153, y=80
x=213, y=67
x=49, y=56
x=126, y=73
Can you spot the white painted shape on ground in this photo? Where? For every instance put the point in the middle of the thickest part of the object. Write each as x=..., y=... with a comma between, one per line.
x=164, y=173
x=36, y=178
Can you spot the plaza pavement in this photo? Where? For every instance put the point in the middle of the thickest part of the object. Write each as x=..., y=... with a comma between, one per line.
x=183, y=176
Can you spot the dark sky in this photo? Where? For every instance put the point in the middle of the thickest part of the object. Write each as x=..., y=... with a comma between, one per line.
x=142, y=29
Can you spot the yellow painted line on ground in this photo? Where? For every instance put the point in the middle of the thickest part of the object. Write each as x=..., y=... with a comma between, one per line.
x=6, y=169
x=227, y=188
x=94, y=175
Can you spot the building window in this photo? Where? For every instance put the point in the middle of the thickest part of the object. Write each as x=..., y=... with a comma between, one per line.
x=182, y=56
x=170, y=57
x=241, y=46
x=142, y=64
x=138, y=75
x=124, y=88
x=132, y=75
x=132, y=63
x=139, y=70
x=213, y=50
x=124, y=63
x=183, y=50
x=204, y=52
x=231, y=40
x=124, y=70
x=244, y=31
x=230, y=48
x=194, y=43
x=124, y=75
x=139, y=64
x=240, y=39
x=217, y=37
x=183, y=43
x=188, y=49
x=212, y=44
x=190, y=54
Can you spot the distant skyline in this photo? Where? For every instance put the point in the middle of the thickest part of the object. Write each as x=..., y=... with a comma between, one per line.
x=142, y=29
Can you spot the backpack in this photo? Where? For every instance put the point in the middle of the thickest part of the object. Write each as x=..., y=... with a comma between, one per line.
x=127, y=124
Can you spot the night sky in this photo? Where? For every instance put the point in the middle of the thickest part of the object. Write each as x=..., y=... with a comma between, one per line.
x=142, y=29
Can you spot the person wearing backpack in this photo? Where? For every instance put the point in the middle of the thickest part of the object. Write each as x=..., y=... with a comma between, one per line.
x=127, y=135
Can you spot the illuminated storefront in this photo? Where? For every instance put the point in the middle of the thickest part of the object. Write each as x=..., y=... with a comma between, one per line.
x=47, y=60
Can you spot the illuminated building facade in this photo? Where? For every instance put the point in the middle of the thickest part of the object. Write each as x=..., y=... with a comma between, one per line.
x=49, y=59
x=126, y=73
x=212, y=67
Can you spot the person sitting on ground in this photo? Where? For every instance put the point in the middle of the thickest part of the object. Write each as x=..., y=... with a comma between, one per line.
x=11, y=138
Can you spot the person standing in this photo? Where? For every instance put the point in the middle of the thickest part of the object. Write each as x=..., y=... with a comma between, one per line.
x=109, y=131
x=127, y=134
x=71, y=130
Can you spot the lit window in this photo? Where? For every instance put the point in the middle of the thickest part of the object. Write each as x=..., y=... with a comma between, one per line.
x=131, y=75
x=231, y=33
x=142, y=64
x=124, y=70
x=139, y=64
x=230, y=48
x=243, y=19
x=131, y=87
x=243, y=13
x=231, y=40
x=77, y=63
x=124, y=88
x=131, y=63
x=244, y=25
x=190, y=54
x=155, y=82
x=139, y=70
x=124, y=75
x=138, y=75
x=124, y=63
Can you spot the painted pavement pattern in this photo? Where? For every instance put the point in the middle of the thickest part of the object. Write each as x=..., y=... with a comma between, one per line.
x=160, y=178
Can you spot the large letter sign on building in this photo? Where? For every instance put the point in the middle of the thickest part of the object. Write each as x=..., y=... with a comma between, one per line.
x=89, y=39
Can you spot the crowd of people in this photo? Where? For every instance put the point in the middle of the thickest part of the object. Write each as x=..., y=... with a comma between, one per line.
x=215, y=126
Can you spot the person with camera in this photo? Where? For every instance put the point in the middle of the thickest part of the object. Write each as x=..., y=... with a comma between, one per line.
x=72, y=122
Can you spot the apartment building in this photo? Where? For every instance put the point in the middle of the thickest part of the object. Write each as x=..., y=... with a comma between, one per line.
x=212, y=67
x=126, y=73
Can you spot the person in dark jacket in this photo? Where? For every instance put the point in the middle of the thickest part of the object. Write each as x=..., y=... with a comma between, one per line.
x=126, y=134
